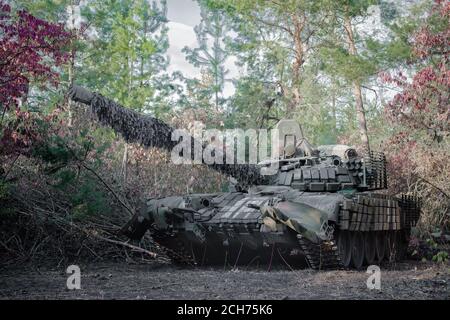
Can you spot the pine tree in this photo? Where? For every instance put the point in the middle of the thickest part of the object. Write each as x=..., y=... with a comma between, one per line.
x=211, y=53
x=342, y=57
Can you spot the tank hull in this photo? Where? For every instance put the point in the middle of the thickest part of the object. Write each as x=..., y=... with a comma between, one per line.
x=279, y=225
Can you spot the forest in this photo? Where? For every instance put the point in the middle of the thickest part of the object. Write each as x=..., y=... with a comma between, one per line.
x=373, y=74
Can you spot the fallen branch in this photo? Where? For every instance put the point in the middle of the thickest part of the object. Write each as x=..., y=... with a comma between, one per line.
x=121, y=243
x=431, y=184
x=107, y=187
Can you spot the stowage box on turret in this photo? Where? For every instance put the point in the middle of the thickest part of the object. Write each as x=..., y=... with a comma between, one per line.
x=313, y=205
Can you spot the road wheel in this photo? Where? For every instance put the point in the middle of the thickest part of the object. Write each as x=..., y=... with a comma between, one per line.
x=380, y=245
x=370, y=251
x=402, y=245
x=345, y=248
x=357, y=250
x=391, y=246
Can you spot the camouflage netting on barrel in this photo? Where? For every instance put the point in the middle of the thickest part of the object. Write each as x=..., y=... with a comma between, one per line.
x=150, y=132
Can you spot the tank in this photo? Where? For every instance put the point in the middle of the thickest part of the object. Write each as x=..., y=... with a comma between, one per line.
x=318, y=207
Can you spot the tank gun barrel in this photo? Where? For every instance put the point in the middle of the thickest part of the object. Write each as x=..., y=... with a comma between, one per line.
x=150, y=132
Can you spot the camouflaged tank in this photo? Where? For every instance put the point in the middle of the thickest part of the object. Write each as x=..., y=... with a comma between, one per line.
x=317, y=206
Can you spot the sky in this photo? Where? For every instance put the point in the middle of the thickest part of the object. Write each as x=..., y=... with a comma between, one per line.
x=185, y=12
x=183, y=16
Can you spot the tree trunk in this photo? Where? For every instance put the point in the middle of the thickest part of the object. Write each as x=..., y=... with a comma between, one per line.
x=293, y=105
x=125, y=151
x=217, y=98
x=125, y=166
x=142, y=67
x=333, y=107
x=296, y=65
x=360, y=113
x=69, y=104
x=72, y=60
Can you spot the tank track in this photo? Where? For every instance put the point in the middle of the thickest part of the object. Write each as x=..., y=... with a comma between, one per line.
x=320, y=256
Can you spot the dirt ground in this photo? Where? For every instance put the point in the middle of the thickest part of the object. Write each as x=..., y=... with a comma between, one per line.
x=409, y=280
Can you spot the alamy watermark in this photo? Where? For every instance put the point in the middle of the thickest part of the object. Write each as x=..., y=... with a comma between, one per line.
x=233, y=146
x=374, y=280
x=74, y=280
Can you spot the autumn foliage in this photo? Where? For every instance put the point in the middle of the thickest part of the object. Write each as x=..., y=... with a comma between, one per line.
x=420, y=113
x=30, y=50
x=423, y=104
